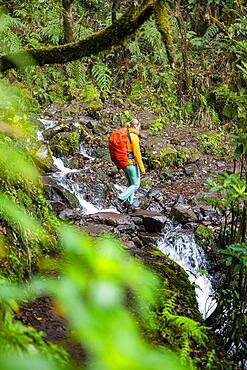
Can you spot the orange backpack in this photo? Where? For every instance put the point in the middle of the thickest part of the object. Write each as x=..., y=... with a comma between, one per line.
x=118, y=147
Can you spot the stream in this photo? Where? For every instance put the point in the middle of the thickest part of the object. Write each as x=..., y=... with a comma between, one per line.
x=177, y=243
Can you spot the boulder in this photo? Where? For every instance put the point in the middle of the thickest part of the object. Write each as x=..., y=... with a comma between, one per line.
x=42, y=155
x=111, y=219
x=183, y=214
x=152, y=221
x=57, y=193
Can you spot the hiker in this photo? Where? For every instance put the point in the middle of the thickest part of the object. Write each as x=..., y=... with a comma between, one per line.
x=132, y=170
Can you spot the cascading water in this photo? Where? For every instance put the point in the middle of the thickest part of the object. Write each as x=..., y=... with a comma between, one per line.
x=181, y=247
x=175, y=242
x=71, y=186
x=62, y=178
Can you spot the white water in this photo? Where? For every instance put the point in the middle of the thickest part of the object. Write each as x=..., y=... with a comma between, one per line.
x=82, y=151
x=74, y=188
x=175, y=242
x=47, y=123
x=182, y=248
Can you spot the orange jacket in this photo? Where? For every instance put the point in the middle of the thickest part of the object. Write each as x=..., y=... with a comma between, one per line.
x=134, y=147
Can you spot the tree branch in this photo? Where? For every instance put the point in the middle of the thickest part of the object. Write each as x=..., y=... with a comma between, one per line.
x=103, y=40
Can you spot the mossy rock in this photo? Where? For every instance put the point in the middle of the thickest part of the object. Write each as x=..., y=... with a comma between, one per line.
x=65, y=143
x=173, y=156
x=204, y=235
x=42, y=155
x=165, y=158
x=175, y=275
x=187, y=155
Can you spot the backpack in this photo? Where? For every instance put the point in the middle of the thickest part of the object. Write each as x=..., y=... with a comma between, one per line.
x=118, y=147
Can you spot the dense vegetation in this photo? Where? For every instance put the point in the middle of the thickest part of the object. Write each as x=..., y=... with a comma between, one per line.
x=184, y=61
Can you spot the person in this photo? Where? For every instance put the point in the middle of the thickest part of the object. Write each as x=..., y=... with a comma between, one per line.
x=132, y=171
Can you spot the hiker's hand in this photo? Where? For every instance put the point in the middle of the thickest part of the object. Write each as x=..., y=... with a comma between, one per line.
x=120, y=171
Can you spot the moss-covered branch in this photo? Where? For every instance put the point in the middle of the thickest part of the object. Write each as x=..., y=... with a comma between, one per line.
x=134, y=17
x=162, y=23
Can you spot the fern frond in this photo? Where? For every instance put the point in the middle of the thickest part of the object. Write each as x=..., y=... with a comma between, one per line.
x=9, y=42
x=52, y=31
x=150, y=35
x=78, y=71
x=211, y=32
x=102, y=76
x=135, y=52
x=192, y=328
x=184, y=353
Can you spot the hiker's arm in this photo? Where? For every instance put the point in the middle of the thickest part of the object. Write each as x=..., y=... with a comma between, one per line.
x=137, y=153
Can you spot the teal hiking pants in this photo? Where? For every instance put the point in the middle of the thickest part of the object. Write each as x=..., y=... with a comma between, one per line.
x=132, y=175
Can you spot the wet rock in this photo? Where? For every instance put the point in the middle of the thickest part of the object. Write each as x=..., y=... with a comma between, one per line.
x=189, y=170
x=154, y=224
x=57, y=193
x=57, y=206
x=156, y=195
x=129, y=244
x=42, y=155
x=137, y=220
x=95, y=185
x=97, y=229
x=137, y=241
x=69, y=214
x=67, y=126
x=183, y=214
x=147, y=238
x=152, y=221
x=111, y=219
x=155, y=207
x=126, y=228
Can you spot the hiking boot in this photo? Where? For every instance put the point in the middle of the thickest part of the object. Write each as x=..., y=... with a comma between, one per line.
x=117, y=203
x=131, y=208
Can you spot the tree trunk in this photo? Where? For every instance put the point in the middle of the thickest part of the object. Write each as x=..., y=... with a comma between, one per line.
x=115, y=6
x=162, y=23
x=102, y=40
x=67, y=21
x=199, y=20
x=184, y=45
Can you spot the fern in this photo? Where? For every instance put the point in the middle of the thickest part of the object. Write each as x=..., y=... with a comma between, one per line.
x=192, y=328
x=102, y=76
x=211, y=360
x=9, y=42
x=52, y=30
x=136, y=55
x=77, y=70
x=179, y=330
x=150, y=35
x=184, y=353
x=211, y=32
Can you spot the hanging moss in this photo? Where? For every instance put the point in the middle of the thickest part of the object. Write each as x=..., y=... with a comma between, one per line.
x=162, y=23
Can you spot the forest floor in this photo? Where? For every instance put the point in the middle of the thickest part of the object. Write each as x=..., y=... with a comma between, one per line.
x=43, y=316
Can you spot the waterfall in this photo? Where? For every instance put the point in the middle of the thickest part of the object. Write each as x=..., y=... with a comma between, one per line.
x=181, y=247
x=176, y=243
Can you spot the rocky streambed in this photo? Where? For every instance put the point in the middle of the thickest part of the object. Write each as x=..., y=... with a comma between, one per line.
x=172, y=218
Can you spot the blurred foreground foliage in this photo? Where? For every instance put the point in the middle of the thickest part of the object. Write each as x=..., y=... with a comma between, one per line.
x=100, y=291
